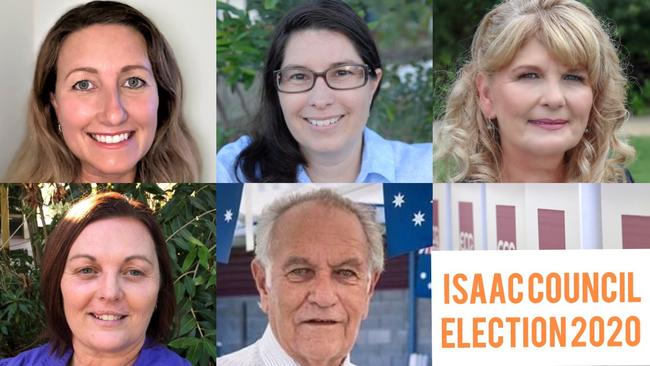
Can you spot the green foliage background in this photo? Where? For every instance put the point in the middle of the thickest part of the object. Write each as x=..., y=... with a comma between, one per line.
x=187, y=215
x=402, y=30
x=455, y=21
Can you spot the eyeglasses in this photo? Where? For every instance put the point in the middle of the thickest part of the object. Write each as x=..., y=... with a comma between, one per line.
x=340, y=77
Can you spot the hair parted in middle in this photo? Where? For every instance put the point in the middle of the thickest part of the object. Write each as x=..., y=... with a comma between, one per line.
x=44, y=156
x=328, y=198
x=97, y=207
x=468, y=144
x=273, y=154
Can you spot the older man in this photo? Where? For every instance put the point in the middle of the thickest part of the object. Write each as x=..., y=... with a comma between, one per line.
x=317, y=261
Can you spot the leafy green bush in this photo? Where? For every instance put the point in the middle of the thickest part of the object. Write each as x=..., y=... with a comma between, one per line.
x=187, y=215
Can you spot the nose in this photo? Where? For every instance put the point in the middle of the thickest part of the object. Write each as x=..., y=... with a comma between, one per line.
x=110, y=288
x=321, y=96
x=322, y=292
x=113, y=111
x=553, y=96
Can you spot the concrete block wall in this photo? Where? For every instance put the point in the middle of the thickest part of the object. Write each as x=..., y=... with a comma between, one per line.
x=382, y=339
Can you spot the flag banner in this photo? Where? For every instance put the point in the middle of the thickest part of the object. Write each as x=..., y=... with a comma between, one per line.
x=408, y=210
x=423, y=273
x=228, y=200
x=506, y=227
x=551, y=229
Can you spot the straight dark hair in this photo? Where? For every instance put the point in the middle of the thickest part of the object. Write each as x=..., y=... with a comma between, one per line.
x=274, y=154
x=94, y=208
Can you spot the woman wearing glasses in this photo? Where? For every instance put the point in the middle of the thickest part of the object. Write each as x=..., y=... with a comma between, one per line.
x=321, y=76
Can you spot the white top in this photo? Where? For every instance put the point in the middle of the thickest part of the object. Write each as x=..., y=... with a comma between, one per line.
x=265, y=352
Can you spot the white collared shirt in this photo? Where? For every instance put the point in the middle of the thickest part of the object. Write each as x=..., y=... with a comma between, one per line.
x=265, y=352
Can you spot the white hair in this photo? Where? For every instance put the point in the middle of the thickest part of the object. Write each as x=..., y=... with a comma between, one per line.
x=327, y=197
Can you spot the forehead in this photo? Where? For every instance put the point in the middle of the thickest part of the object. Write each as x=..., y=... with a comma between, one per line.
x=314, y=230
x=319, y=47
x=103, y=45
x=533, y=52
x=115, y=237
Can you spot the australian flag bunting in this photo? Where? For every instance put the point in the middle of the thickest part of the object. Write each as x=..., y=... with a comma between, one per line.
x=423, y=273
x=408, y=210
x=228, y=200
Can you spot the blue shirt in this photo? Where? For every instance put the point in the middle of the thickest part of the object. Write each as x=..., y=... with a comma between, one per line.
x=382, y=161
x=151, y=353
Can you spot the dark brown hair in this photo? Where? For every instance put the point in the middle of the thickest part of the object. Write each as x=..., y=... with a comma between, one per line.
x=91, y=209
x=44, y=156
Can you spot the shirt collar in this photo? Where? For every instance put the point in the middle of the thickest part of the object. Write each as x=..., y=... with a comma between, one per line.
x=376, y=158
x=273, y=354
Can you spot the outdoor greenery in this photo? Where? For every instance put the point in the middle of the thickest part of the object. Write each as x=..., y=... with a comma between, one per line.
x=455, y=22
x=402, y=30
x=639, y=168
x=187, y=215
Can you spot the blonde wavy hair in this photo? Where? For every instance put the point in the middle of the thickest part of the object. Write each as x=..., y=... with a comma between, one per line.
x=44, y=156
x=470, y=151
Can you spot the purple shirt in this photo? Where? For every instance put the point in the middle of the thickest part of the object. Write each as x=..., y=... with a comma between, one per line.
x=151, y=354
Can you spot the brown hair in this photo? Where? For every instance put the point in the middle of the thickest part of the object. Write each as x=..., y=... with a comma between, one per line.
x=91, y=209
x=44, y=156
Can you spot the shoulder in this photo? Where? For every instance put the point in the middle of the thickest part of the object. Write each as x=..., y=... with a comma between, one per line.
x=226, y=158
x=248, y=356
x=39, y=356
x=413, y=163
x=157, y=354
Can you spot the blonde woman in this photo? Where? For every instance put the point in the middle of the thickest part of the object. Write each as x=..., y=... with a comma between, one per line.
x=540, y=100
x=105, y=104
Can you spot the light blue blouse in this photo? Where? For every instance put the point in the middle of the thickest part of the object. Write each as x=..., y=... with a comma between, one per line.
x=382, y=161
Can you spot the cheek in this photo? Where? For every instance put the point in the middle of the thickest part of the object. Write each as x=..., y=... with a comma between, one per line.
x=75, y=112
x=143, y=110
x=291, y=105
x=582, y=102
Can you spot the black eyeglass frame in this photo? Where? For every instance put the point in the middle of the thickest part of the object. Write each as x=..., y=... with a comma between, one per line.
x=323, y=74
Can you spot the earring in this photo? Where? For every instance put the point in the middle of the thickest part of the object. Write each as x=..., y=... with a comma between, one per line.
x=59, y=126
x=587, y=131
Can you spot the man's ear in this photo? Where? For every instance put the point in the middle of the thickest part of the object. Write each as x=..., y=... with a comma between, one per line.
x=484, y=96
x=371, y=291
x=259, y=275
x=373, y=283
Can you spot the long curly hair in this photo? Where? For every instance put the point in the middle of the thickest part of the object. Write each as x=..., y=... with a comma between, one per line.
x=44, y=156
x=469, y=148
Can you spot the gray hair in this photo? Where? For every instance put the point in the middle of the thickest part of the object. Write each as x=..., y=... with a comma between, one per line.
x=366, y=217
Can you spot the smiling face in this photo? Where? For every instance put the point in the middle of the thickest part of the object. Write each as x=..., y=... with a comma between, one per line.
x=541, y=106
x=325, y=121
x=110, y=286
x=319, y=286
x=106, y=101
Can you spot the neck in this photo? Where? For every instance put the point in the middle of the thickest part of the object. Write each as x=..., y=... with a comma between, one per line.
x=332, y=362
x=518, y=168
x=88, y=176
x=86, y=356
x=339, y=167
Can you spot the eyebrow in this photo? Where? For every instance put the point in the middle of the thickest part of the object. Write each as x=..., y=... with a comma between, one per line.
x=334, y=64
x=350, y=262
x=92, y=70
x=126, y=260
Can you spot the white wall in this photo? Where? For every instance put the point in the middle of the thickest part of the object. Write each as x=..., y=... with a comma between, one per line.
x=16, y=67
x=190, y=28
x=621, y=199
x=563, y=197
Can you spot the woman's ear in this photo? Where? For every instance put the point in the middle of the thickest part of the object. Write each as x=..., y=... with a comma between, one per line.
x=53, y=101
x=484, y=96
x=375, y=82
